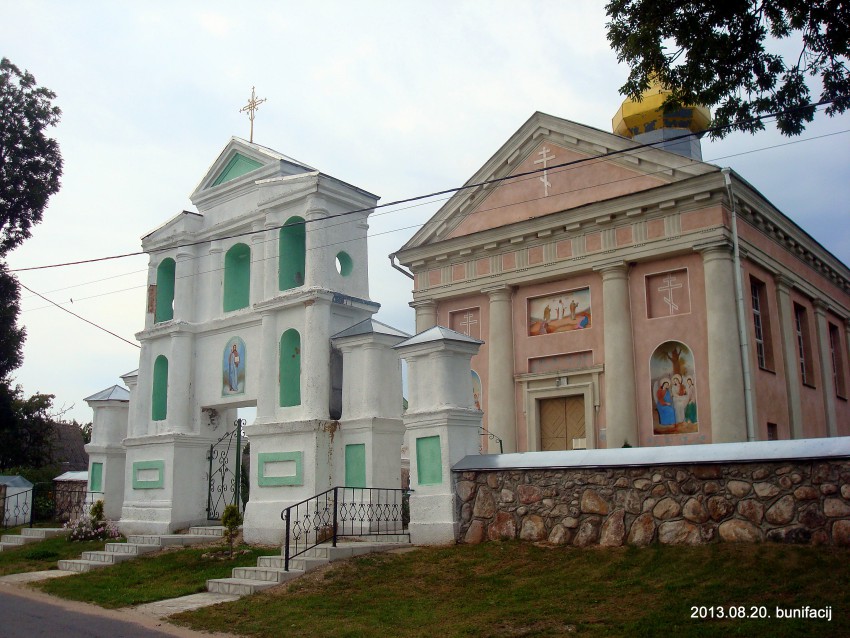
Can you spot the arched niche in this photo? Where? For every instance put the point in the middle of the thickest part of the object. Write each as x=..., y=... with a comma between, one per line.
x=290, y=368
x=164, y=309
x=159, y=393
x=292, y=254
x=237, y=277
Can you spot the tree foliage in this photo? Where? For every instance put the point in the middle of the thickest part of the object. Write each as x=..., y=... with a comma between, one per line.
x=30, y=162
x=26, y=428
x=717, y=54
x=11, y=336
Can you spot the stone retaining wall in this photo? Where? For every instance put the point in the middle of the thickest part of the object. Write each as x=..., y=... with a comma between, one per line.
x=789, y=502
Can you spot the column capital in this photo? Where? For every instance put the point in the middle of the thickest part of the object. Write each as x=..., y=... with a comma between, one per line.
x=423, y=303
x=498, y=293
x=715, y=249
x=820, y=307
x=783, y=282
x=612, y=270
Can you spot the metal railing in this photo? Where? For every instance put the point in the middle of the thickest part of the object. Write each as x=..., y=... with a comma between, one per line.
x=44, y=503
x=344, y=512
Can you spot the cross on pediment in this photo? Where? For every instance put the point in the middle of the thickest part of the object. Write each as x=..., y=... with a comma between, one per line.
x=670, y=284
x=251, y=109
x=545, y=157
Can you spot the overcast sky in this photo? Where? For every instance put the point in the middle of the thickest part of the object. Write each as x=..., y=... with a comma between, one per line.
x=398, y=98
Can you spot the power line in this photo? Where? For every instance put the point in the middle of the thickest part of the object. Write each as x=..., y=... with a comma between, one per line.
x=99, y=327
x=496, y=180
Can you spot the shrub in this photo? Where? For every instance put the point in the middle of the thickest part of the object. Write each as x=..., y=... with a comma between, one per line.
x=231, y=519
x=86, y=529
x=96, y=511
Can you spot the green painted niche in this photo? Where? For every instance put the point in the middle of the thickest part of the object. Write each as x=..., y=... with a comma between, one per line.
x=237, y=277
x=236, y=167
x=159, y=395
x=355, y=465
x=96, y=478
x=292, y=254
x=290, y=368
x=429, y=461
x=164, y=290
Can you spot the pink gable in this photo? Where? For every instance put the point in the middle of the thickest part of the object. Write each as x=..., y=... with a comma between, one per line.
x=559, y=189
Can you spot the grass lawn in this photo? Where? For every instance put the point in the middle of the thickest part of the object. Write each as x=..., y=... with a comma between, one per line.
x=514, y=589
x=167, y=574
x=43, y=555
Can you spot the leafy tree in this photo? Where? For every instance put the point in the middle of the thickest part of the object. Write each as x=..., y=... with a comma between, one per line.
x=30, y=162
x=716, y=54
x=26, y=428
x=11, y=336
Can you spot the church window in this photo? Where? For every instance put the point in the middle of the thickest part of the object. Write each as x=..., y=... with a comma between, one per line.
x=344, y=264
x=292, y=254
x=761, y=324
x=159, y=396
x=237, y=277
x=164, y=307
x=837, y=361
x=290, y=368
x=804, y=351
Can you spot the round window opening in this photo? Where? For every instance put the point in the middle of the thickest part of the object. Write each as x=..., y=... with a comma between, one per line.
x=344, y=265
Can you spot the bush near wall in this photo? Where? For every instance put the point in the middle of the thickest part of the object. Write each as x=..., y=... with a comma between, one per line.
x=787, y=502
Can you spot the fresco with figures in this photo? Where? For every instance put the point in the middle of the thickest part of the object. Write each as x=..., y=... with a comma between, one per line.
x=674, y=389
x=559, y=312
x=233, y=368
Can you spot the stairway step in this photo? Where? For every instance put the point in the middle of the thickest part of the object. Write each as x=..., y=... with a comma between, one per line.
x=165, y=540
x=107, y=558
x=269, y=574
x=43, y=532
x=237, y=586
x=80, y=566
x=14, y=539
x=306, y=564
x=132, y=549
x=208, y=530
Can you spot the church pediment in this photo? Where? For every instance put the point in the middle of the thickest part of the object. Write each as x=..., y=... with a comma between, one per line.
x=548, y=166
x=240, y=164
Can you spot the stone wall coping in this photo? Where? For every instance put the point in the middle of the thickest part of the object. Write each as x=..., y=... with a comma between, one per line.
x=745, y=452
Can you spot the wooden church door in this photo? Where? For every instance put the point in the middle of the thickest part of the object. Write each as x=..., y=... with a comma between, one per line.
x=562, y=424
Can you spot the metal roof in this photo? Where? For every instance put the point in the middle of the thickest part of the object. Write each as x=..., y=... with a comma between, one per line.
x=438, y=333
x=370, y=326
x=73, y=476
x=14, y=481
x=113, y=393
x=746, y=452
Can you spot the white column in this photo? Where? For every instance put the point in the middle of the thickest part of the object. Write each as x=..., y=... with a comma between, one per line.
x=258, y=263
x=181, y=398
x=827, y=382
x=315, y=360
x=620, y=398
x=501, y=402
x=184, y=284
x=150, y=303
x=725, y=373
x=268, y=398
x=317, y=242
x=791, y=361
x=214, y=277
x=140, y=408
x=271, y=252
x=426, y=314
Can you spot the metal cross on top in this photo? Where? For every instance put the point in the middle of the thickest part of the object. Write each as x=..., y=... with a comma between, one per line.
x=251, y=108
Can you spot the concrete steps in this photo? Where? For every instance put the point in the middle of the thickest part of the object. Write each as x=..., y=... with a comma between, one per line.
x=140, y=544
x=270, y=569
x=29, y=535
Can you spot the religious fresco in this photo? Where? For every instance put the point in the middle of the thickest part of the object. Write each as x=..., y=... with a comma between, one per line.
x=674, y=390
x=477, y=396
x=233, y=368
x=560, y=312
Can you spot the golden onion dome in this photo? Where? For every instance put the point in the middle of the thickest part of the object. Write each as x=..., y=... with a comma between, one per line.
x=634, y=118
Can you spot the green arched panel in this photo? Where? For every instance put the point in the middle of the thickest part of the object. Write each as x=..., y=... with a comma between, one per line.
x=236, y=167
x=159, y=396
x=344, y=263
x=237, y=277
x=292, y=254
x=290, y=368
x=164, y=290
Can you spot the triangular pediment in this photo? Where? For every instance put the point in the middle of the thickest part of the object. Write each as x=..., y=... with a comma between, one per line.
x=548, y=166
x=242, y=162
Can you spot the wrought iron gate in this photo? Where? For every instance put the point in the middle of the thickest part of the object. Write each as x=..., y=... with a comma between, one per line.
x=225, y=478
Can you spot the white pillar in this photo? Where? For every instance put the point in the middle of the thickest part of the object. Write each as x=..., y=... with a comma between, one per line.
x=501, y=401
x=140, y=406
x=620, y=397
x=268, y=398
x=258, y=263
x=317, y=243
x=180, y=399
x=827, y=382
x=315, y=360
x=271, y=248
x=725, y=373
x=791, y=361
x=214, y=277
x=184, y=284
x=426, y=314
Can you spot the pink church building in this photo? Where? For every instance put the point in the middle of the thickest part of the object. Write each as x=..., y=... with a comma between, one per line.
x=633, y=295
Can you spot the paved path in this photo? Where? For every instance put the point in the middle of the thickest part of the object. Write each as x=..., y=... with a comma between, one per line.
x=27, y=613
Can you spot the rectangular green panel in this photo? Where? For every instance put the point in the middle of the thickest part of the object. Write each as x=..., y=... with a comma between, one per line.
x=280, y=468
x=429, y=460
x=355, y=465
x=96, y=477
x=147, y=481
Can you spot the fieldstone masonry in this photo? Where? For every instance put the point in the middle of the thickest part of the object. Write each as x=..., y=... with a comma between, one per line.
x=787, y=502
